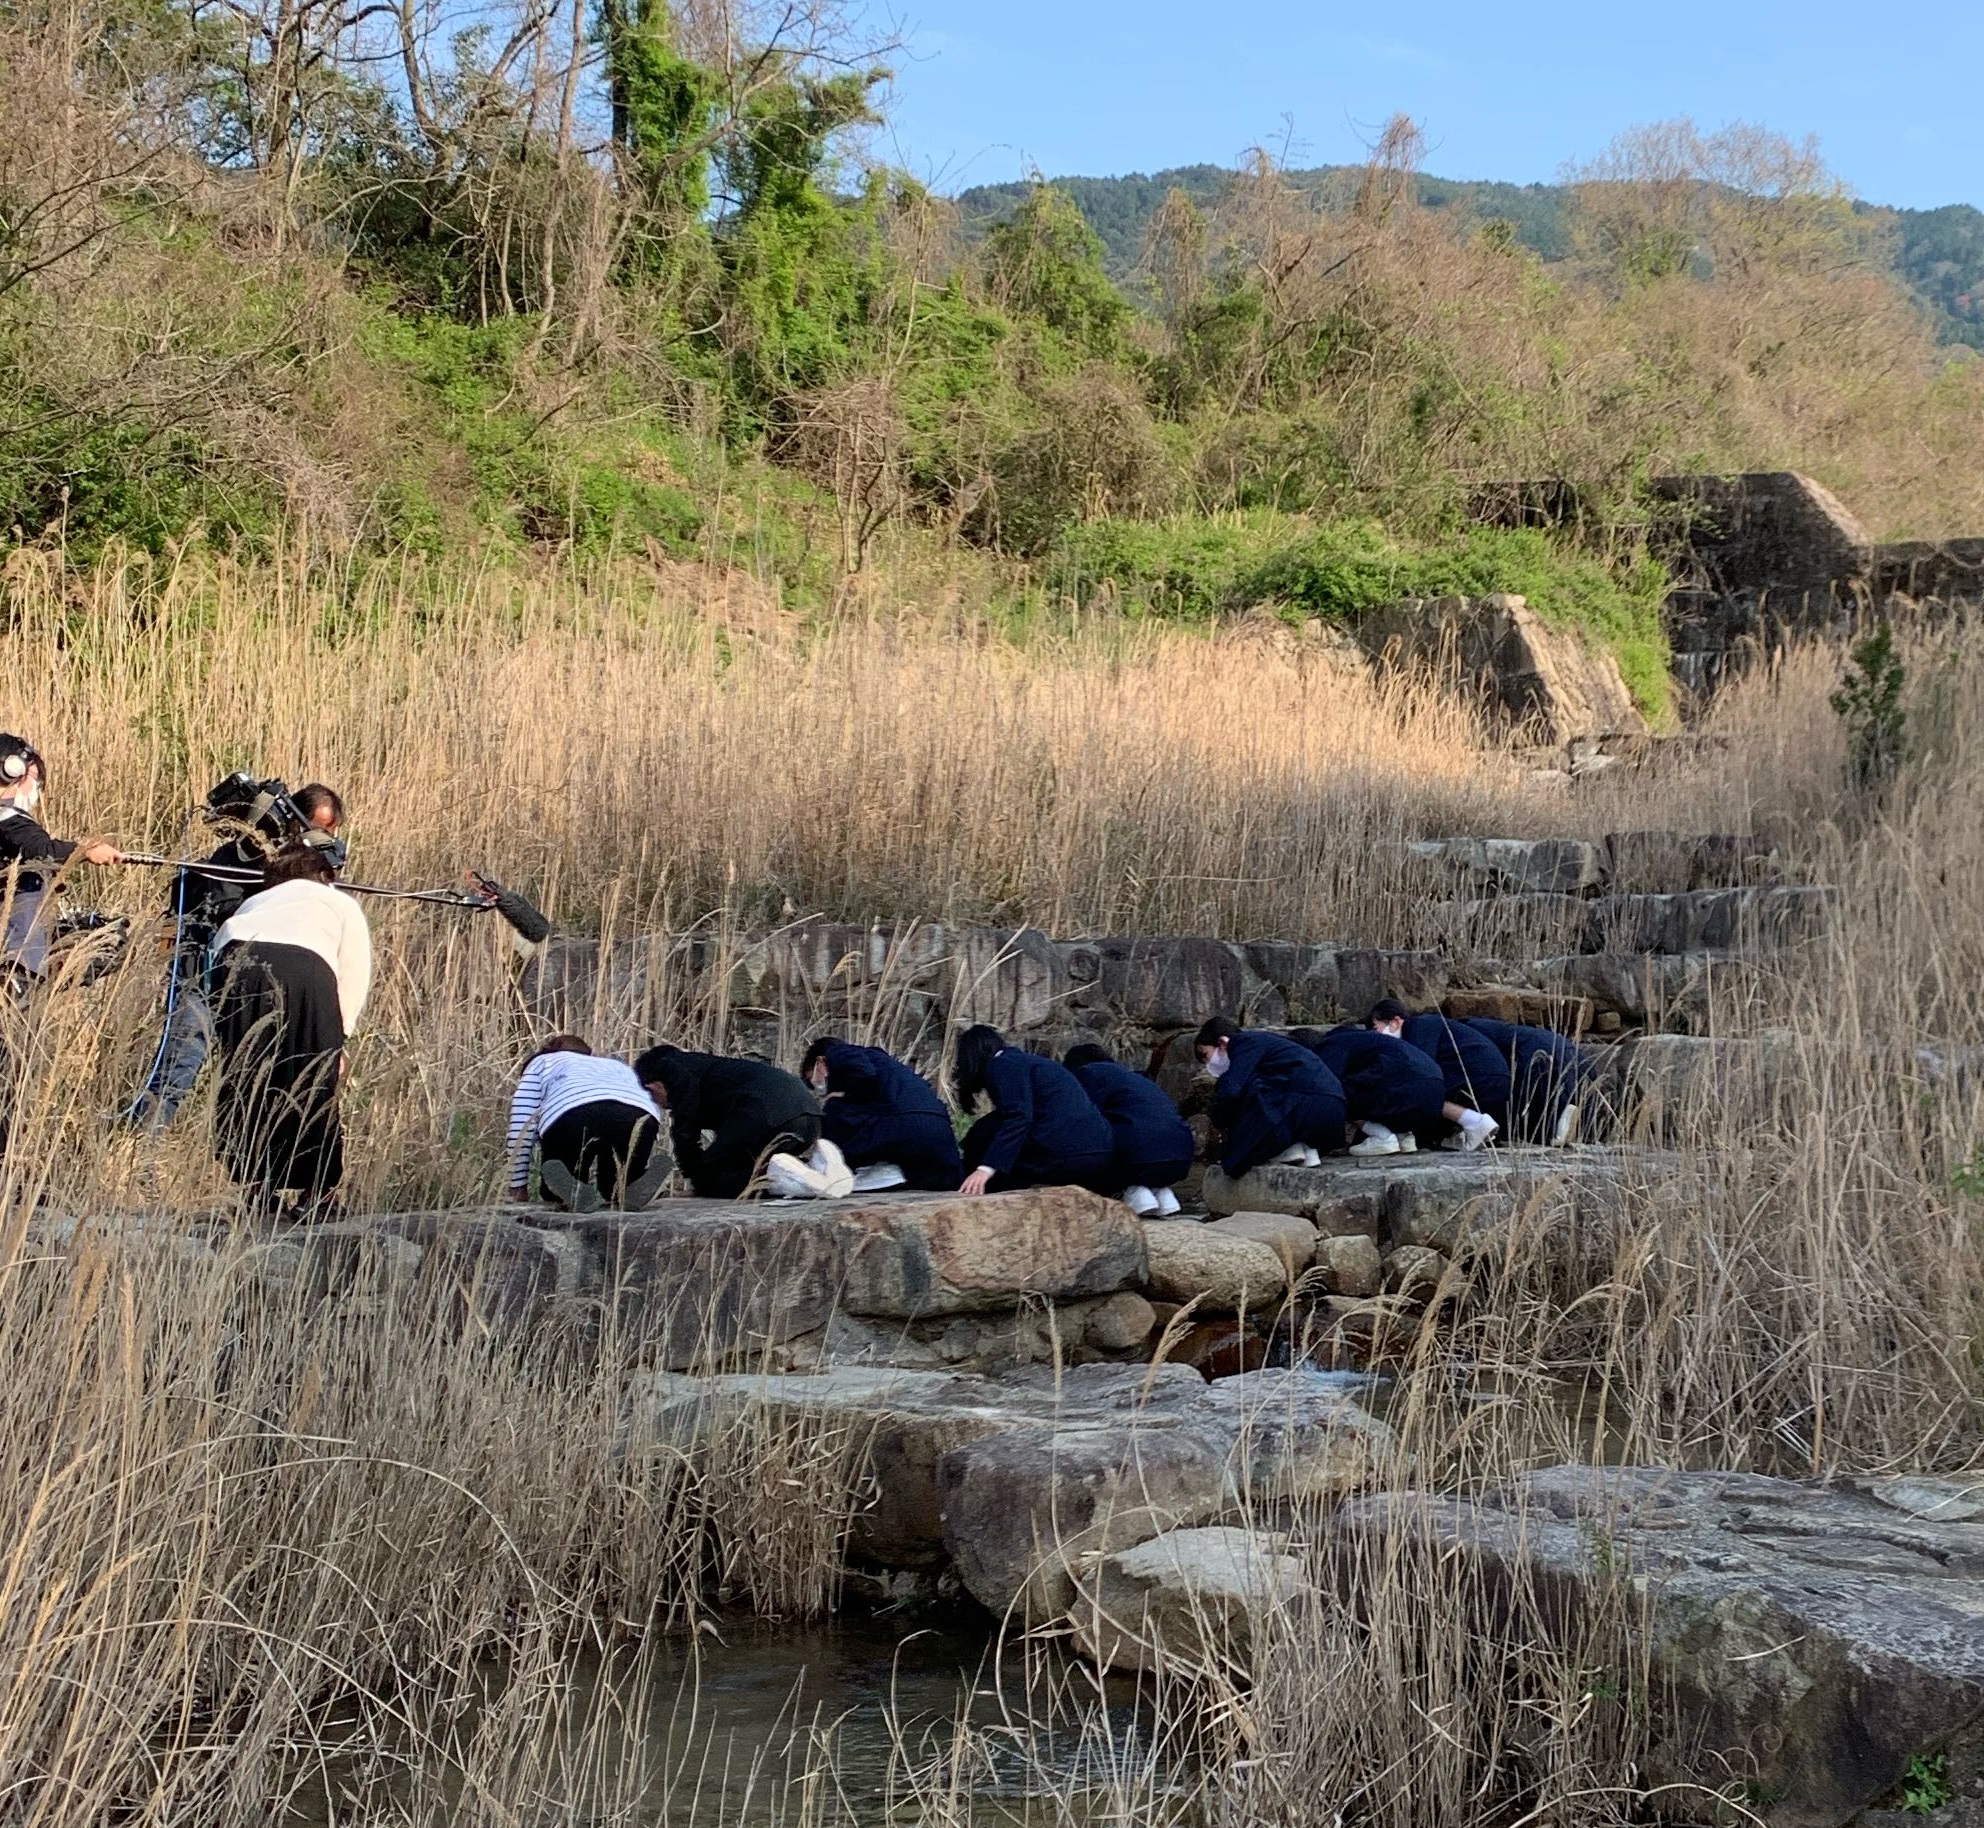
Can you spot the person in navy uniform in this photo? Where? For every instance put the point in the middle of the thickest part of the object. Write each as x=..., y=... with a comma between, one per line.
x=883, y=1116
x=1042, y=1131
x=1154, y=1146
x=1274, y=1101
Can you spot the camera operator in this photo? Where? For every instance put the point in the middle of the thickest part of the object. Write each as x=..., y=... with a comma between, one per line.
x=267, y=818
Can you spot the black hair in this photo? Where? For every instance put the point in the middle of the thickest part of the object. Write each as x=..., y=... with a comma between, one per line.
x=297, y=863
x=1219, y=1029
x=976, y=1046
x=1086, y=1053
x=680, y=1074
x=814, y=1050
x=311, y=800
x=1387, y=1009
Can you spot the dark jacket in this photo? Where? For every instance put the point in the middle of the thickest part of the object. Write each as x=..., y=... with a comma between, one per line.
x=1548, y=1072
x=715, y=1092
x=1044, y=1131
x=1475, y=1071
x=880, y=1110
x=1153, y=1143
x=31, y=857
x=1274, y=1094
x=1384, y=1079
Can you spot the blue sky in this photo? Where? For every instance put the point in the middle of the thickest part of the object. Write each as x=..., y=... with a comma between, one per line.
x=991, y=89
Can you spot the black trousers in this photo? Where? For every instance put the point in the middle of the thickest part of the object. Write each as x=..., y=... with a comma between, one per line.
x=740, y=1146
x=607, y=1143
x=1095, y=1172
x=281, y=1037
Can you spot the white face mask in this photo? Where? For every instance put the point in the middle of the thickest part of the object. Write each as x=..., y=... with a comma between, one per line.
x=1217, y=1062
x=27, y=796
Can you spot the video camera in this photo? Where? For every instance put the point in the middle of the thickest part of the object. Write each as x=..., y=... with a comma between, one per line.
x=262, y=810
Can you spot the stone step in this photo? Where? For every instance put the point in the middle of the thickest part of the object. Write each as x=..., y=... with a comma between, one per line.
x=1443, y=1200
x=1812, y=1640
x=707, y=1280
x=1694, y=922
x=1016, y=1480
x=1635, y=862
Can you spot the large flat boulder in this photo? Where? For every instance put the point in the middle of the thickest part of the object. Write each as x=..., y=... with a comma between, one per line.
x=711, y=1278
x=1015, y=1478
x=1446, y=1200
x=1810, y=1640
x=1190, y=1601
x=1022, y=1510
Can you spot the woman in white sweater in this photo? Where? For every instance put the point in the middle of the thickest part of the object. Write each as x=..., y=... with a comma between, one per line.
x=292, y=969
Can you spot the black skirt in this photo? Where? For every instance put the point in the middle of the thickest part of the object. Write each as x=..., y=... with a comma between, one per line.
x=281, y=1038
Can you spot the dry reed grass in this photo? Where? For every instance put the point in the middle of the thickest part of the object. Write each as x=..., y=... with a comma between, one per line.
x=255, y=1535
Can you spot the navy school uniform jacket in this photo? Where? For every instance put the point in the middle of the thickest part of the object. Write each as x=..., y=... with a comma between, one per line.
x=1275, y=1093
x=884, y=1111
x=1384, y=1079
x=1477, y=1073
x=1153, y=1143
x=1548, y=1071
x=1043, y=1129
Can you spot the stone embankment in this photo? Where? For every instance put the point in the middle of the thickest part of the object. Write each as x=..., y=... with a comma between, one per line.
x=1604, y=936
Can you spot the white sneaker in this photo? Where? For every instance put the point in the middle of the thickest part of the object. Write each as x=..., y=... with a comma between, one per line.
x=788, y=1178
x=1567, y=1128
x=836, y=1177
x=1296, y=1155
x=1142, y=1201
x=1167, y=1203
x=1408, y=1144
x=1312, y=1157
x=878, y=1177
x=1475, y=1129
x=1377, y=1141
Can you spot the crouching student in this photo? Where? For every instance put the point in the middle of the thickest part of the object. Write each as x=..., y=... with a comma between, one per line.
x=749, y=1109
x=592, y=1127
x=1042, y=1130
x=1549, y=1075
x=1274, y=1100
x=1153, y=1143
x=884, y=1117
x=1393, y=1093
x=294, y=967
x=1476, y=1076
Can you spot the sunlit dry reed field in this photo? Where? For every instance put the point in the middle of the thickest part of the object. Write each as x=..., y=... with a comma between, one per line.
x=267, y=1549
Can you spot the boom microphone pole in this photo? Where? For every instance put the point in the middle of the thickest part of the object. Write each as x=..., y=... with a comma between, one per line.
x=488, y=896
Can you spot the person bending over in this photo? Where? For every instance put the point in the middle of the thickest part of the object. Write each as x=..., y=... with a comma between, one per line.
x=1042, y=1130
x=1549, y=1073
x=884, y=1117
x=293, y=965
x=1153, y=1143
x=593, y=1129
x=203, y=896
x=749, y=1109
x=30, y=860
x=1274, y=1100
x=1476, y=1076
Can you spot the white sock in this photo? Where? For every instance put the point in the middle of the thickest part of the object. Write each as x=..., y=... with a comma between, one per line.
x=1567, y=1127
x=1141, y=1201
x=1167, y=1202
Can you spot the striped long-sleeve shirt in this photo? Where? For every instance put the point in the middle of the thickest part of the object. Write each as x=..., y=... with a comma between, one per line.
x=555, y=1084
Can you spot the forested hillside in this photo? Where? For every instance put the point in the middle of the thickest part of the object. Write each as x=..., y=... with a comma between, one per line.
x=335, y=277
x=1939, y=253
